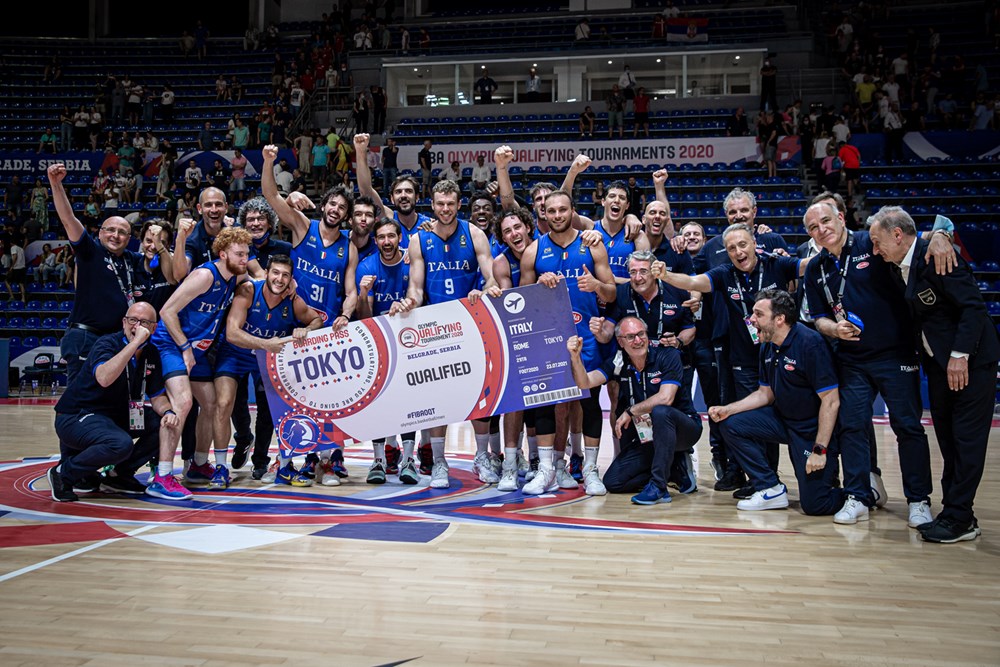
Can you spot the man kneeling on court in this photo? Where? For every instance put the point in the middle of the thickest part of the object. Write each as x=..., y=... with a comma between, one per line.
x=796, y=403
x=102, y=412
x=657, y=424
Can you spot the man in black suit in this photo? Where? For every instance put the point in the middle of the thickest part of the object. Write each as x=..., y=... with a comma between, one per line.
x=960, y=353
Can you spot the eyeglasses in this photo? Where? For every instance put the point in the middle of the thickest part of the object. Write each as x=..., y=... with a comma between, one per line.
x=135, y=320
x=115, y=231
x=639, y=272
x=631, y=338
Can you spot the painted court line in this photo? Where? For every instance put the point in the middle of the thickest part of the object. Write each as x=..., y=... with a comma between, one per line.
x=51, y=561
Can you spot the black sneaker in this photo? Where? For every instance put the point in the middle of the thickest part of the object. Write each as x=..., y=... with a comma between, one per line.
x=61, y=491
x=733, y=479
x=258, y=472
x=240, y=454
x=126, y=484
x=392, y=460
x=949, y=531
x=89, y=484
x=744, y=492
x=426, y=456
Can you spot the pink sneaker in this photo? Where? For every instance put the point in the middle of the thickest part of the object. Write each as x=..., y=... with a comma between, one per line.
x=167, y=488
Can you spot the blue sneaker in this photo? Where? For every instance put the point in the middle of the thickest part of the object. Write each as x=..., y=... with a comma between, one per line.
x=337, y=463
x=289, y=476
x=309, y=468
x=576, y=467
x=651, y=495
x=682, y=474
x=220, y=478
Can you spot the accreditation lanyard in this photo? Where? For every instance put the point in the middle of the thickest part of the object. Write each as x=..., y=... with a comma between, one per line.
x=136, y=407
x=643, y=423
x=642, y=307
x=837, y=304
x=744, y=296
x=127, y=286
x=637, y=377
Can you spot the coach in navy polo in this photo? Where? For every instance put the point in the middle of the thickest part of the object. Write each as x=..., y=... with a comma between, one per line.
x=853, y=300
x=105, y=276
x=796, y=403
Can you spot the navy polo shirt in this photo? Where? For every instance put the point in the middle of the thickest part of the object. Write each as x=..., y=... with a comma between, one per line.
x=663, y=315
x=198, y=246
x=103, y=282
x=739, y=290
x=870, y=293
x=663, y=366
x=152, y=286
x=797, y=371
x=270, y=247
x=85, y=394
x=677, y=262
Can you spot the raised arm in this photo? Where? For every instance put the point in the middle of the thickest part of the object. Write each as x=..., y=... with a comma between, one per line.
x=699, y=283
x=64, y=209
x=365, y=188
x=289, y=217
x=502, y=157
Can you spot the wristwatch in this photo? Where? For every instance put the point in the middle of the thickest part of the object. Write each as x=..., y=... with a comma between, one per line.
x=819, y=449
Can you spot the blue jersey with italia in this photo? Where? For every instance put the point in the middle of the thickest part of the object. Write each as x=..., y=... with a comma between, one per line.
x=618, y=249
x=515, y=266
x=264, y=321
x=569, y=263
x=451, y=269
x=200, y=318
x=391, y=281
x=320, y=270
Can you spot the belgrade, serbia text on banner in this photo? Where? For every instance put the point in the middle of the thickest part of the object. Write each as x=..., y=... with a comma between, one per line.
x=433, y=366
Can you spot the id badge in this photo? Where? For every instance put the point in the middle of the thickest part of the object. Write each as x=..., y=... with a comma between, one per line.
x=644, y=427
x=136, y=416
x=752, y=330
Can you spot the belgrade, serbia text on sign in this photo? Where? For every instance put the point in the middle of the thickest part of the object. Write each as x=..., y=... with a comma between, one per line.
x=433, y=366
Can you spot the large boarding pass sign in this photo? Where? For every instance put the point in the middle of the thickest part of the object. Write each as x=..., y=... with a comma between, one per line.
x=434, y=366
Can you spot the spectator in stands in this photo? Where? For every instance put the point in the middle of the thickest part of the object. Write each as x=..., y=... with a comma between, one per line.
x=13, y=198
x=452, y=173
x=832, y=165
x=32, y=230
x=283, y=177
x=40, y=203
x=598, y=197
x=627, y=84
x=486, y=86
x=390, y=166
x=222, y=89
x=425, y=41
x=241, y=135
x=948, y=108
x=48, y=141
x=167, y=101
x=91, y=211
x=65, y=128
x=218, y=176
x=636, y=197
x=81, y=128
x=320, y=162
x=900, y=71
x=201, y=36
x=892, y=125
x=53, y=70
x=982, y=114
x=186, y=44
x=659, y=30
x=251, y=38
x=164, y=177
x=768, y=86
x=206, y=141
x=850, y=160
x=46, y=264
x=238, y=167
x=481, y=175
x=404, y=40
x=533, y=87
x=640, y=104
x=767, y=138
x=426, y=160
x=236, y=89
x=345, y=83
x=582, y=31
x=380, y=103
x=193, y=177
x=271, y=36
x=265, y=128
x=18, y=271
x=587, y=118
x=361, y=112
x=111, y=196
x=615, y=102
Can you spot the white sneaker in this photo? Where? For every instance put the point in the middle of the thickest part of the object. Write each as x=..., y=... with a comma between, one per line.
x=878, y=490
x=564, y=479
x=592, y=484
x=272, y=472
x=481, y=467
x=496, y=464
x=328, y=477
x=508, y=481
x=544, y=481
x=920, y=513
x=439, y=475
x=775, y=498
x=522, y=464
x=853, y=511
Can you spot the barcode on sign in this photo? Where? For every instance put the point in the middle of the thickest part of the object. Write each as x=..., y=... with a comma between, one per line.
x=549, y=396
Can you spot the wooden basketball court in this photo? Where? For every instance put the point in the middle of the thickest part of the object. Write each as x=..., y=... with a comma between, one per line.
x=362, y=575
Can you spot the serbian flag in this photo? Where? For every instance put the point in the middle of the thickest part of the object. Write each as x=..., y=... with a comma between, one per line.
x=687, y=30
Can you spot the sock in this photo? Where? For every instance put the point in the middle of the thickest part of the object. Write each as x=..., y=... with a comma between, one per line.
x=163, y=469
x=544, y=457
x=200, y=458
x=378, y=449
x=532, y=446
x=407, y=449
x=220, y=456
x=558, y=457
x=510, y=458
x=576, y=441
x=482, y=443
x=437, y=448
x=590, y=456
x=285, y=460
x=495, y=443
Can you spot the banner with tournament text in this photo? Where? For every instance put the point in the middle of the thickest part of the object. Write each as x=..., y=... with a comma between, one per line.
x=436, y=365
